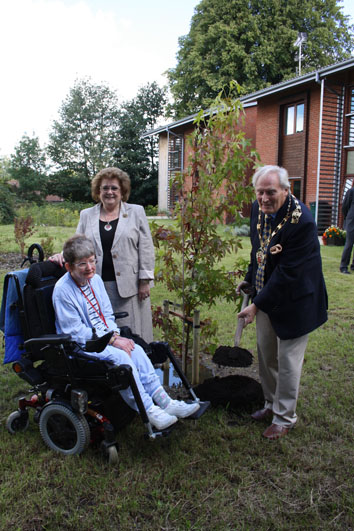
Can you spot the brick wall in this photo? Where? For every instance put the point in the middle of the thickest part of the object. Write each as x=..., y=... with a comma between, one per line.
x=267, y=131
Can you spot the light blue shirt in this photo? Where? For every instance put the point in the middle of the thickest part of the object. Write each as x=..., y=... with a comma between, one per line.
x=71, y=310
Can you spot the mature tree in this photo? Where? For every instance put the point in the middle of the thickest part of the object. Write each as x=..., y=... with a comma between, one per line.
x=69, y=185
x=5, y=165
x=28, y=167
x=252, y=41
x=135, y=155
x=7, y=212
x=83, y=139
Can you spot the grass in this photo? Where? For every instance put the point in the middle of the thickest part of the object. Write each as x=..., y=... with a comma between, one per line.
x=212, y=474
x=59, y=235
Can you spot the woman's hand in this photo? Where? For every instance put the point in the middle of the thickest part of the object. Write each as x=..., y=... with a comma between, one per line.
x=124, y=344
x=57, y=259
x=144, y=289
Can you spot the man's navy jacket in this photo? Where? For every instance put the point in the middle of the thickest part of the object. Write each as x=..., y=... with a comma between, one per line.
x=294, y=294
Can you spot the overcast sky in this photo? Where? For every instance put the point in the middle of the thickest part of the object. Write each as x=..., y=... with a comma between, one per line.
x=47, y=44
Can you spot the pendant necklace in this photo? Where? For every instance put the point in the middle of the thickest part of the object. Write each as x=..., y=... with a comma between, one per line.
x=108, y=225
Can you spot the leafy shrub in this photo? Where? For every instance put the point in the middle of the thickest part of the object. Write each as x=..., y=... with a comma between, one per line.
x=47, y=246
x=63, y=214
x=243, y=230
x=151, y=210
x=23, y=229
x=7, y=212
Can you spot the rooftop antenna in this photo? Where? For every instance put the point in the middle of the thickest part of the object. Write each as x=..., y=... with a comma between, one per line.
x=301, y=38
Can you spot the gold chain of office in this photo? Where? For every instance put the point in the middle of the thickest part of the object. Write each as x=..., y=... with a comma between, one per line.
x=295, y=216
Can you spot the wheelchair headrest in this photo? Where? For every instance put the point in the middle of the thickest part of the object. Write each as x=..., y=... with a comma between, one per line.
x=41, y=270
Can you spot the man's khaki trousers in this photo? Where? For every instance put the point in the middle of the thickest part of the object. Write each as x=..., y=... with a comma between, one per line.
x=280, y=364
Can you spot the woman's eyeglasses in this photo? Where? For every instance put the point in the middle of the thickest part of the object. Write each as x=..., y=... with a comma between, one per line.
x=107, y=188
x=83, y=265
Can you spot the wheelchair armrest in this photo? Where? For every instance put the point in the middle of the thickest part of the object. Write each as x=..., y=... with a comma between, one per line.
x=49, y=339
x=98, y=344
x=120, y=315
x=159, y=352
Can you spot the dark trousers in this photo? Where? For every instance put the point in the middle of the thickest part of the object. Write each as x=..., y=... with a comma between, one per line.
x=349, y=242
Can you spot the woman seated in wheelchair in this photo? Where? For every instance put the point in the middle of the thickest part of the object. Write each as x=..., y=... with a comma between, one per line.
x=81, y=303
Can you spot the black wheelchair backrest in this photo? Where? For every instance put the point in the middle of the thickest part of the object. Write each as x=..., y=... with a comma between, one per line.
x=37, y=298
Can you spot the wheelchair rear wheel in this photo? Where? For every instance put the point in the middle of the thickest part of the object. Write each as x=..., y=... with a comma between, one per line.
x=63, y=430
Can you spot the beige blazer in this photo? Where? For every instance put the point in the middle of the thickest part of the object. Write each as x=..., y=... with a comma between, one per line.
x=132, y=249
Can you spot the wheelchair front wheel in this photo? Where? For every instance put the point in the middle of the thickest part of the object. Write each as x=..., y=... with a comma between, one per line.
x=64, y=431
x=17, y=421
x=110, y=453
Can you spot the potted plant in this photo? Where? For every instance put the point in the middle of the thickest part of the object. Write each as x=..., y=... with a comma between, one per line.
x=334, y=236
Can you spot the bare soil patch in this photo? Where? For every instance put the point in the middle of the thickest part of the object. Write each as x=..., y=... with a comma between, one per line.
x=10, y=261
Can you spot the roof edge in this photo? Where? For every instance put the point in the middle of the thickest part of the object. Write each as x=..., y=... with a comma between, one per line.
x=184, y=121
x=251, y=99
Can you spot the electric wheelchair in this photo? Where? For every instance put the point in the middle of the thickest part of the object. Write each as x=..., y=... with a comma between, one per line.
x=75, y=395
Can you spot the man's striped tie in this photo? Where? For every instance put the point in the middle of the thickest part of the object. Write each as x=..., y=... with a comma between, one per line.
x=264, y=246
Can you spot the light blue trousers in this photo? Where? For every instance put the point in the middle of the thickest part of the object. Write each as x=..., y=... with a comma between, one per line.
x=144, y=373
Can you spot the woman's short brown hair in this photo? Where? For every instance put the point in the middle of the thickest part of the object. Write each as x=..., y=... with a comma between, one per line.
x=77, y=247
x=111, y=173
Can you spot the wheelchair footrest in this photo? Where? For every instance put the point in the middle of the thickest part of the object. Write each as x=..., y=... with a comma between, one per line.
x=202, y=409
x=160, y=433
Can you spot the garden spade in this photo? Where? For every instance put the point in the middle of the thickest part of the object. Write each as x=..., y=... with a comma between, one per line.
x=240, y=320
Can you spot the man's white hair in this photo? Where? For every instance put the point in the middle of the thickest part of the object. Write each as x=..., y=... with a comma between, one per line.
x=265, y=170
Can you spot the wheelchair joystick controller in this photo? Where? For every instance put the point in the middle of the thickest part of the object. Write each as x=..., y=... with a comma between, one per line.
x=96, y=343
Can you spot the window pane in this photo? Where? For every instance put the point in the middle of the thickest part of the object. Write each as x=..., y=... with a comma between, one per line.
x=289, y=128
x=297, y=188
x=350, y=163
x=300, y=117
x=352, y=102
x=351, y=131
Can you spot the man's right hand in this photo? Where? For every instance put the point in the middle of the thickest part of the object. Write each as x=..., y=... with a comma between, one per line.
x=248, y=314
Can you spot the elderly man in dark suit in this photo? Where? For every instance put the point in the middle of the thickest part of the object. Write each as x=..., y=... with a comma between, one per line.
x=348, y=213
x=291, y=297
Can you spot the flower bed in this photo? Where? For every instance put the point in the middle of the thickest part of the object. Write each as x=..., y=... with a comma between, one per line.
x=333, y=236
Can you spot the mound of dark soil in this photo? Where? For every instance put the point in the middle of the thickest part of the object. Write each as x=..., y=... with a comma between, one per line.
x=232, y=357
x=235, y=392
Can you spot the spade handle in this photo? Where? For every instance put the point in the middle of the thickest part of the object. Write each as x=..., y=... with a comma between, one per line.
x=241, y=321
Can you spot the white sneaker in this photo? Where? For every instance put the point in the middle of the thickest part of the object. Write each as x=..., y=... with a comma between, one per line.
x=181, y=409
x=159, y=418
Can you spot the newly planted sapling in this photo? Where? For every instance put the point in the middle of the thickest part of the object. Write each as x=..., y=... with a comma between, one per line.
x=212, y=190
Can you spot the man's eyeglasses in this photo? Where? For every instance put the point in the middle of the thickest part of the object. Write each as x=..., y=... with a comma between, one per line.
x=83, y=265
x=107, y=188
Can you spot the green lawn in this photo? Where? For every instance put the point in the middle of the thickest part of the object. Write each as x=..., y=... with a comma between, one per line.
x=209, y=475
